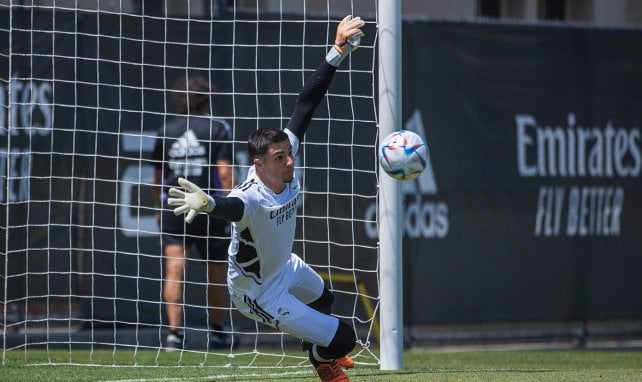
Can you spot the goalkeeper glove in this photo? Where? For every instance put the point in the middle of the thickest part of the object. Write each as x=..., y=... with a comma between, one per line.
x=191, y=202
x=347, y=39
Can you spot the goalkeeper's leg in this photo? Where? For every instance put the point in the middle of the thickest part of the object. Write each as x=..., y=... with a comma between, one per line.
x=324, y=305
x=331, y=339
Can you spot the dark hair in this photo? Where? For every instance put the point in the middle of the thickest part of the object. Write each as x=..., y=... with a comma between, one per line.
x=260, y=139
x=191, y=95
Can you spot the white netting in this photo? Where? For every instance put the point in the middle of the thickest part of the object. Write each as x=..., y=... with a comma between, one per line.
x=82, y=93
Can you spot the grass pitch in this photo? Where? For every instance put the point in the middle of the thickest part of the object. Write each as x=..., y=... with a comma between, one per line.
x=419, y=365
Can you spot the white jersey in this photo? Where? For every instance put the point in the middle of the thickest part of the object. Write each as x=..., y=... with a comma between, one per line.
x=262, y=240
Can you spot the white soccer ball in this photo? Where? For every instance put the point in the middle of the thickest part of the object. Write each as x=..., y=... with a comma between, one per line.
x=403, y=155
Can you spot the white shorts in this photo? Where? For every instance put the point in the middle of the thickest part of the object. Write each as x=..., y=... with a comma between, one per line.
x=283, y=304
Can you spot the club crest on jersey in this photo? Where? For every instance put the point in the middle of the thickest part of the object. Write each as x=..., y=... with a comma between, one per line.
x=283, y=312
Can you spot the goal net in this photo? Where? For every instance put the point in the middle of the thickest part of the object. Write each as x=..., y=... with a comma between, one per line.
x=84, y=86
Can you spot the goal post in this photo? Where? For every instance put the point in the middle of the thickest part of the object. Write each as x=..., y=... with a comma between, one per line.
x=390, y=203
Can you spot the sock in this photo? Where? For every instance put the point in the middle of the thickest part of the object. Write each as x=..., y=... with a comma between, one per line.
x=315, y=358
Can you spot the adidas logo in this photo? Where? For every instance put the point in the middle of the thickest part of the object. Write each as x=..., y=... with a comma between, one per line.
x=187, y=146
x=425, y=183
x=422, y=219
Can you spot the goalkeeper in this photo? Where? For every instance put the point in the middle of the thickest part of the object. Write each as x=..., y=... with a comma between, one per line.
x=266, y=281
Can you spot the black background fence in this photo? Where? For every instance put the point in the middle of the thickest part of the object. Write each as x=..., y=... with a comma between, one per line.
x=535, y=141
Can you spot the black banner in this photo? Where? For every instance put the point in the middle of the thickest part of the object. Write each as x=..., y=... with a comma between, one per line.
x=37, y=162
x=531, y=208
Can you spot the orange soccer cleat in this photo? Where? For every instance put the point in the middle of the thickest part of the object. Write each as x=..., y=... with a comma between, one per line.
x=346, y=362
x=331, y=372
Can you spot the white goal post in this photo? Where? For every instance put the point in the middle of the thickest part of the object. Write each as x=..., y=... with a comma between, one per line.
x=84, y=86
x=390, y=196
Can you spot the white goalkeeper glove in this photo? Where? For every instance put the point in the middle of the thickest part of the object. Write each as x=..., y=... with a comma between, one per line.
x=191, y=202
x=347, y=39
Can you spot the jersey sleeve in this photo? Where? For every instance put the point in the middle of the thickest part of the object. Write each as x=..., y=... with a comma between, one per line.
x=230, y=208
x=238, y=205
x=294, y=141
x=309, y=98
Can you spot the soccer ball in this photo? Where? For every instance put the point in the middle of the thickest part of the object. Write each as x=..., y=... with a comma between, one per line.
x=402, y=155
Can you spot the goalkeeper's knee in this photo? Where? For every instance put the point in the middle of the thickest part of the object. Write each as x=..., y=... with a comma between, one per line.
x=342, y=343
x=324, y=303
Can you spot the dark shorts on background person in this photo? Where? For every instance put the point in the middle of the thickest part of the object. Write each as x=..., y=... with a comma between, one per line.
x=210, y=236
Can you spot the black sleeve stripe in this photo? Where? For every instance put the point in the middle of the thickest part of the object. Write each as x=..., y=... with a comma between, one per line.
x=245, y=185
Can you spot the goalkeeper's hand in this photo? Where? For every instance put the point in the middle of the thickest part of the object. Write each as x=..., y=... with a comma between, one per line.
x=348, y=35
x=347, y=39
x=193, y=201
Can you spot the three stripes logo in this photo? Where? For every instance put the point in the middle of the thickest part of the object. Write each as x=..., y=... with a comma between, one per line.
x=187, y=145
x=256, y=310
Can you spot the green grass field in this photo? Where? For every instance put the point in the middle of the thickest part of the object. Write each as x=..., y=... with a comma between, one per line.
x=419, y=365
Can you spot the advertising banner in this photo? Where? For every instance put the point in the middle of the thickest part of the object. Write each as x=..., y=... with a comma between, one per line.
x=37, y=165
x=530, y=208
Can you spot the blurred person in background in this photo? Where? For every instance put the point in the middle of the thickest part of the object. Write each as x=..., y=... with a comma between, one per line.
x=193, y=145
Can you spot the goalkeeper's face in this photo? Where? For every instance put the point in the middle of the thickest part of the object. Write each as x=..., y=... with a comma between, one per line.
x=276, y=167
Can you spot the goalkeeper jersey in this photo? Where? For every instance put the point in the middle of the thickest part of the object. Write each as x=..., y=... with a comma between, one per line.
x=263, y=233
x=262, y=240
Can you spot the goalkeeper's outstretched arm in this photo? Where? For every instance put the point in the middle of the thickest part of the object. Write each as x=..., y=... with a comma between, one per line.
x=347, y=39
x=194, y=200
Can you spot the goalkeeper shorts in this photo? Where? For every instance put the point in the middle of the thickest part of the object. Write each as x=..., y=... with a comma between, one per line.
x=281, y=302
